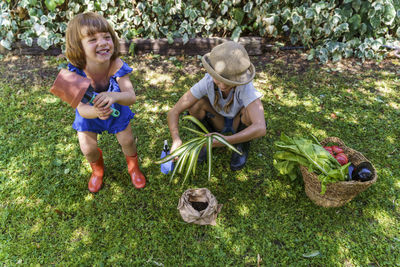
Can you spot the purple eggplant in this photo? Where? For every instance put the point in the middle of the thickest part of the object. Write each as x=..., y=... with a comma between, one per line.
x=363, y=172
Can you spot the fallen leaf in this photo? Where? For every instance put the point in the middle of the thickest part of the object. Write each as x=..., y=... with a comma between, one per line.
x=311, y=254
x=59, y=212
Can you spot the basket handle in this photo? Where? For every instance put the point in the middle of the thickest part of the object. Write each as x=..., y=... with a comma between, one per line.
x=336, y=140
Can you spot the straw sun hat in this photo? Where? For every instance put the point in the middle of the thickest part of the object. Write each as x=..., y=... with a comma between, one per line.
x=229, y=63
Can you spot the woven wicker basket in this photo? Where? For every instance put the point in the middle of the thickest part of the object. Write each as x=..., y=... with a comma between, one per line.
x=337, y=194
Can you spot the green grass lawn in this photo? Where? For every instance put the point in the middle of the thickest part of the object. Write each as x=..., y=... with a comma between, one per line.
x=48, y=216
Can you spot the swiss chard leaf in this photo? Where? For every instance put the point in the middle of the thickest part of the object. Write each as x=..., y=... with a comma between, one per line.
x=287, y=168
x=292, y=152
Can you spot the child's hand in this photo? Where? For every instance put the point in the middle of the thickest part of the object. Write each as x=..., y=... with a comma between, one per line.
x=216, y=142
x=103, y=113
x=104, y=99
x=175, y=145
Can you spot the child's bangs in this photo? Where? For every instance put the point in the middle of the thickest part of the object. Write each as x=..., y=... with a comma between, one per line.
x=93, y=26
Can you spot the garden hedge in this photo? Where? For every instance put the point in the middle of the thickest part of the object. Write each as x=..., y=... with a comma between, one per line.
x=331, y=30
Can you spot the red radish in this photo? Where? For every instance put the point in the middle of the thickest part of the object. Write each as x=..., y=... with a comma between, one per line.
x=342, y=158
x=337, y=150
x=329, y=149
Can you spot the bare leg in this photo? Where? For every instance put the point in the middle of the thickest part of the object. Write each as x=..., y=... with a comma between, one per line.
x=125, y=139
x=201, y=107
x=88, y=144
x=243, y=117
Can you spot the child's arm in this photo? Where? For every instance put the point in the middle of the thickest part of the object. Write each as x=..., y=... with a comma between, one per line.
x=186, y=101
x=91, y=112
x=126, y=97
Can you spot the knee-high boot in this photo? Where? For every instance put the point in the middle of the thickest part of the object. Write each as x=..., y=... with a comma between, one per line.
x=137, y=177
x=96, y=179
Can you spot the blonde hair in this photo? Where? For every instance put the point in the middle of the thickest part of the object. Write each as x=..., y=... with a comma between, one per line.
x=93, y=23
x=228, y=105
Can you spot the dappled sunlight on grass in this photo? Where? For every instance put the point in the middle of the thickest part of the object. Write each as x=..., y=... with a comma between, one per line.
x=89, y=197
x=65, y=148
x=394, y=105
x=213, y=179
x=35, y=88
x=50, y=99
x=37, y=226
x=153, y=107
x=242, y=177
x=156, y=78
x=223, y=232
x=147, y=162
x=285, y=195
x=49, y=217
x=310, y=105
x=244, y=210
x=305, y=125
x=392, y=140
x=384, y=219
x=320, y=132
x=383, y=87
x=19, y=200
x=397, y=184
x=118, y=190
x=80, y=235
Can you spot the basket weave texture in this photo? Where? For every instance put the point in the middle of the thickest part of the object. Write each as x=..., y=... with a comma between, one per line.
x=339, y=193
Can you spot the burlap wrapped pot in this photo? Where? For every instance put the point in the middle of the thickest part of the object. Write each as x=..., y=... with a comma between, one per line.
x=203, y=217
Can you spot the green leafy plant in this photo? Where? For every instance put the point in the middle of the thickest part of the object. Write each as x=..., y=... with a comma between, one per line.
x=296, y=151
x=332, y=30
x=52, y=4
x=188, y=152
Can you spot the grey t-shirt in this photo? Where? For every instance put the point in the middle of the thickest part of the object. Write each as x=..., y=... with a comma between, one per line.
x=243, y=95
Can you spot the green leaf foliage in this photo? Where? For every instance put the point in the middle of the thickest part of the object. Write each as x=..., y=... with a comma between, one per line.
x=292, y=152
x=188, y=152
x=309, y=23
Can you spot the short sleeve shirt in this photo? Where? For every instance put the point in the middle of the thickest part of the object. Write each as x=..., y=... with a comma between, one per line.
x=243, y=95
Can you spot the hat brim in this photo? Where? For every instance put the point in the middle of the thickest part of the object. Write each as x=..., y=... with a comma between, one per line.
x=246, y=78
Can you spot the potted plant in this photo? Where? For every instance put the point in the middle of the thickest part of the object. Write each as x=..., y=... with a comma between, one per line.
x=188, y=152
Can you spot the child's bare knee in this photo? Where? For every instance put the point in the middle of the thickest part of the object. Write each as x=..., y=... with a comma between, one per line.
x=244, y=117
x=89, y=151
x=198, y=107
x=126, y=141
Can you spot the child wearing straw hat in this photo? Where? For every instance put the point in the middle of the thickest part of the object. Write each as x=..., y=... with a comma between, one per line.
x=225, y=101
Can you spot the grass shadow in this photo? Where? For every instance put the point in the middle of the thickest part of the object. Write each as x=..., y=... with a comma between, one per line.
x=48, y=216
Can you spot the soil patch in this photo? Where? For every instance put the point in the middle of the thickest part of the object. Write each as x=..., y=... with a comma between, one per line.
x=199, y=206
x=40, y=68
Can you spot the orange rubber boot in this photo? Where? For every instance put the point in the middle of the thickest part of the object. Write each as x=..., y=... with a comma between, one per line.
x=96, y=180
x=137, y=177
